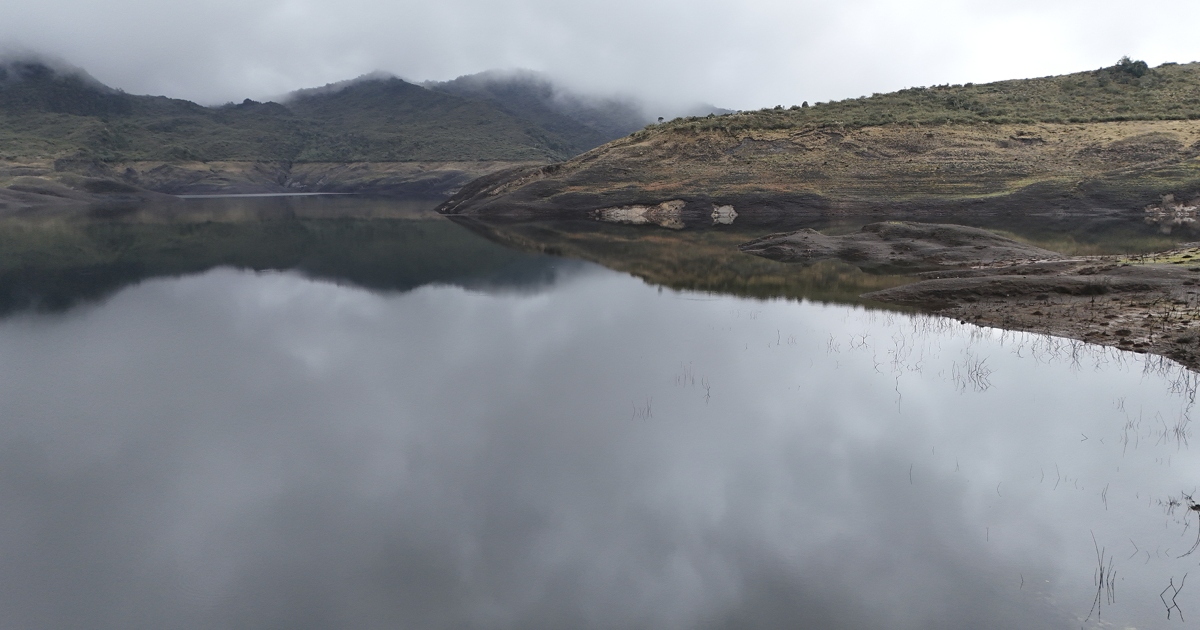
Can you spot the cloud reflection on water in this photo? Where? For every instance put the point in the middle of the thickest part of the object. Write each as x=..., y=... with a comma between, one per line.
x=242, y=449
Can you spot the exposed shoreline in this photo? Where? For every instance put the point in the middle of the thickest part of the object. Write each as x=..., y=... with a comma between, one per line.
x=1145, y=304
x=82, y=186
x=1148, y=308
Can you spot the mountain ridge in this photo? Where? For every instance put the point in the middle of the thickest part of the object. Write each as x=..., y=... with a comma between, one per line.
x=58, y=124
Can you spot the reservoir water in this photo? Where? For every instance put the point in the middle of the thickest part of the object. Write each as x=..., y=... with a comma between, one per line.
x=220, y=425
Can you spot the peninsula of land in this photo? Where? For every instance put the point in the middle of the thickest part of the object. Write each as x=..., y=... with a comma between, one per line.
x=1115, y=138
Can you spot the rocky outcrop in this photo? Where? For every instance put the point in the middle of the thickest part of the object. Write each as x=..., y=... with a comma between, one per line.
x=668, y=214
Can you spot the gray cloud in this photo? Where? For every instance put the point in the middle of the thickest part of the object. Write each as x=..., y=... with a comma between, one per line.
x=744, y=54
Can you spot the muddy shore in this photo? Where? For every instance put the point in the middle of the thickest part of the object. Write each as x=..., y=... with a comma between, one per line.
x=1145, y=304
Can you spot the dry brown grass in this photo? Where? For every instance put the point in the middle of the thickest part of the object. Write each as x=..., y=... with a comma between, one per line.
x=896, y=162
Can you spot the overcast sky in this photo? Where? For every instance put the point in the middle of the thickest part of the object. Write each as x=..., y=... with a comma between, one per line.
x=733, y=53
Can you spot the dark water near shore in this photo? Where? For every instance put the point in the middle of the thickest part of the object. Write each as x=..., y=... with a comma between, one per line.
x=433, y=430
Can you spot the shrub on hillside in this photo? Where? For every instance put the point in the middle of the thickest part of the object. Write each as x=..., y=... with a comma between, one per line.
x=1133, y=68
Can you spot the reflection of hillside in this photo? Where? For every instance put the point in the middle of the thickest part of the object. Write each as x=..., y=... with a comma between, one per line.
x=690, y=259
x=56, y=261
x=56, y=264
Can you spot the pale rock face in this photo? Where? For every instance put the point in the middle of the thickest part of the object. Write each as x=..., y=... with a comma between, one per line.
x=668, y=214
x=1172, y=213
x=723, y=215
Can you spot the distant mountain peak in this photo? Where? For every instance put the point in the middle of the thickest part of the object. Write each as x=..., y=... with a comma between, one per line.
x=32, y=68
x=509, y=76
x=378, y=76
x=29, y=83
x=531, y=93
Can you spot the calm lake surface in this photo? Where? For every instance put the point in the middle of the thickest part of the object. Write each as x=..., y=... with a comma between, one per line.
x=430, y=430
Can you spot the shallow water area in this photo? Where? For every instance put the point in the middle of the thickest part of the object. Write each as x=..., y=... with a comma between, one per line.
x=531, y=441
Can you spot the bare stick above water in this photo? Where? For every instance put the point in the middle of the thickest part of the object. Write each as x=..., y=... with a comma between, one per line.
x=1106, y=589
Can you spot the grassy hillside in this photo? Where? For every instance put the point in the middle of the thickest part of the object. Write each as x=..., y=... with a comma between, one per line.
x=1116, y=137
x=46, y=113
x=1126, y=91
x=49, y=114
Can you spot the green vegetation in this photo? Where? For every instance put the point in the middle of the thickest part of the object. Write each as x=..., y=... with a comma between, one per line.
x=1129, y=90
x=47, y=114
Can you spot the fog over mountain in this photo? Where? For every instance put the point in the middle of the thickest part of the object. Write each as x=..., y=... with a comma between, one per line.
x=58, y=124
x=671, y=53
